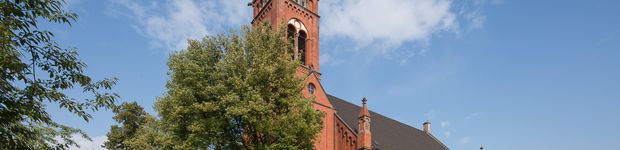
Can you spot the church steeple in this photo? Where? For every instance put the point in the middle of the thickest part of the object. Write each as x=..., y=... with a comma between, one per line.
x=364, y=136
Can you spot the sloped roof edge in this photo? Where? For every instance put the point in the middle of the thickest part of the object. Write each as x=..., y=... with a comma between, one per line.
x=387, y=133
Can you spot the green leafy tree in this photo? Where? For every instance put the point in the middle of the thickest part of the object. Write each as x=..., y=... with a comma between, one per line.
x=131, y=117
x=34, y=69
x=237, y=91
x=151, y=135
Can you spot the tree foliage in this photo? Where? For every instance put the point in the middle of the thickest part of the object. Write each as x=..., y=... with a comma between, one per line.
x=34, y=69
x=237, y=91
x=151, y=135
x=131, y=117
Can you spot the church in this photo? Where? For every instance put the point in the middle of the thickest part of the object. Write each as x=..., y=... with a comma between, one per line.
x=346, y=126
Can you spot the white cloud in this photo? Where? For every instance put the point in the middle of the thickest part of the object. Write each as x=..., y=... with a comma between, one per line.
x=472, y=115
x=382, y=24
x=399, y=29
x=168, y=24
x=445, y=124
x=465, y=140
x=86, y=144
x=473, y=13
x=476, y=19
x=387, y=22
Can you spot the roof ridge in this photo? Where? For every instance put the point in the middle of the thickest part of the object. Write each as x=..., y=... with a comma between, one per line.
x=346, y=111
x=372, y=112
x=432, y=136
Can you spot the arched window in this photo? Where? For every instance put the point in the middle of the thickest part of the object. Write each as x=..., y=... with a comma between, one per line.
x=301, y=46
x=298, y=35
x=291, y=37
x=311, y=88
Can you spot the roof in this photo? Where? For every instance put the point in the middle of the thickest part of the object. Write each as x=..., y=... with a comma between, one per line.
x=387, y=133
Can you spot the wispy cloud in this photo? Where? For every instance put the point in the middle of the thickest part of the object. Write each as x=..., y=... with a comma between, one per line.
x=472, y=115
x=473, y=12
x=445, y=124
x=168, y=24
x=86, y=144
x=328, y=59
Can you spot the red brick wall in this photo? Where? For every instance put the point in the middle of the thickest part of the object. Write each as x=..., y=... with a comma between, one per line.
x=345, y=138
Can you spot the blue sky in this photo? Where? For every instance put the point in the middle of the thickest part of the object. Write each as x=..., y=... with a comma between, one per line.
x=506, y=74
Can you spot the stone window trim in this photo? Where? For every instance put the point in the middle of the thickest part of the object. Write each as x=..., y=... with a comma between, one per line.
x=299, y=34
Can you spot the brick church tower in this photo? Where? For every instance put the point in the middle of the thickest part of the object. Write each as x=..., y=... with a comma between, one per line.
x=346, y=126
x=302, y=21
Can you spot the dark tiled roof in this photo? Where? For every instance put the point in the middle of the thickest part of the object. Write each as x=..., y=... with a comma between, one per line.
x=387, y=134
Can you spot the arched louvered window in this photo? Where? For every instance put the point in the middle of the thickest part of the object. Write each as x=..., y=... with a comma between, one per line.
x=291, y=37
x=301, y=46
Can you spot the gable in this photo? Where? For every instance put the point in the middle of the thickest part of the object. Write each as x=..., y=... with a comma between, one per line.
x=320, y=95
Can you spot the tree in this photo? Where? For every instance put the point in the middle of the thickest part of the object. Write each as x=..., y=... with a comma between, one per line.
x=131, y=116
x=151, y=135
x=237, y=91
x=34, y=69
